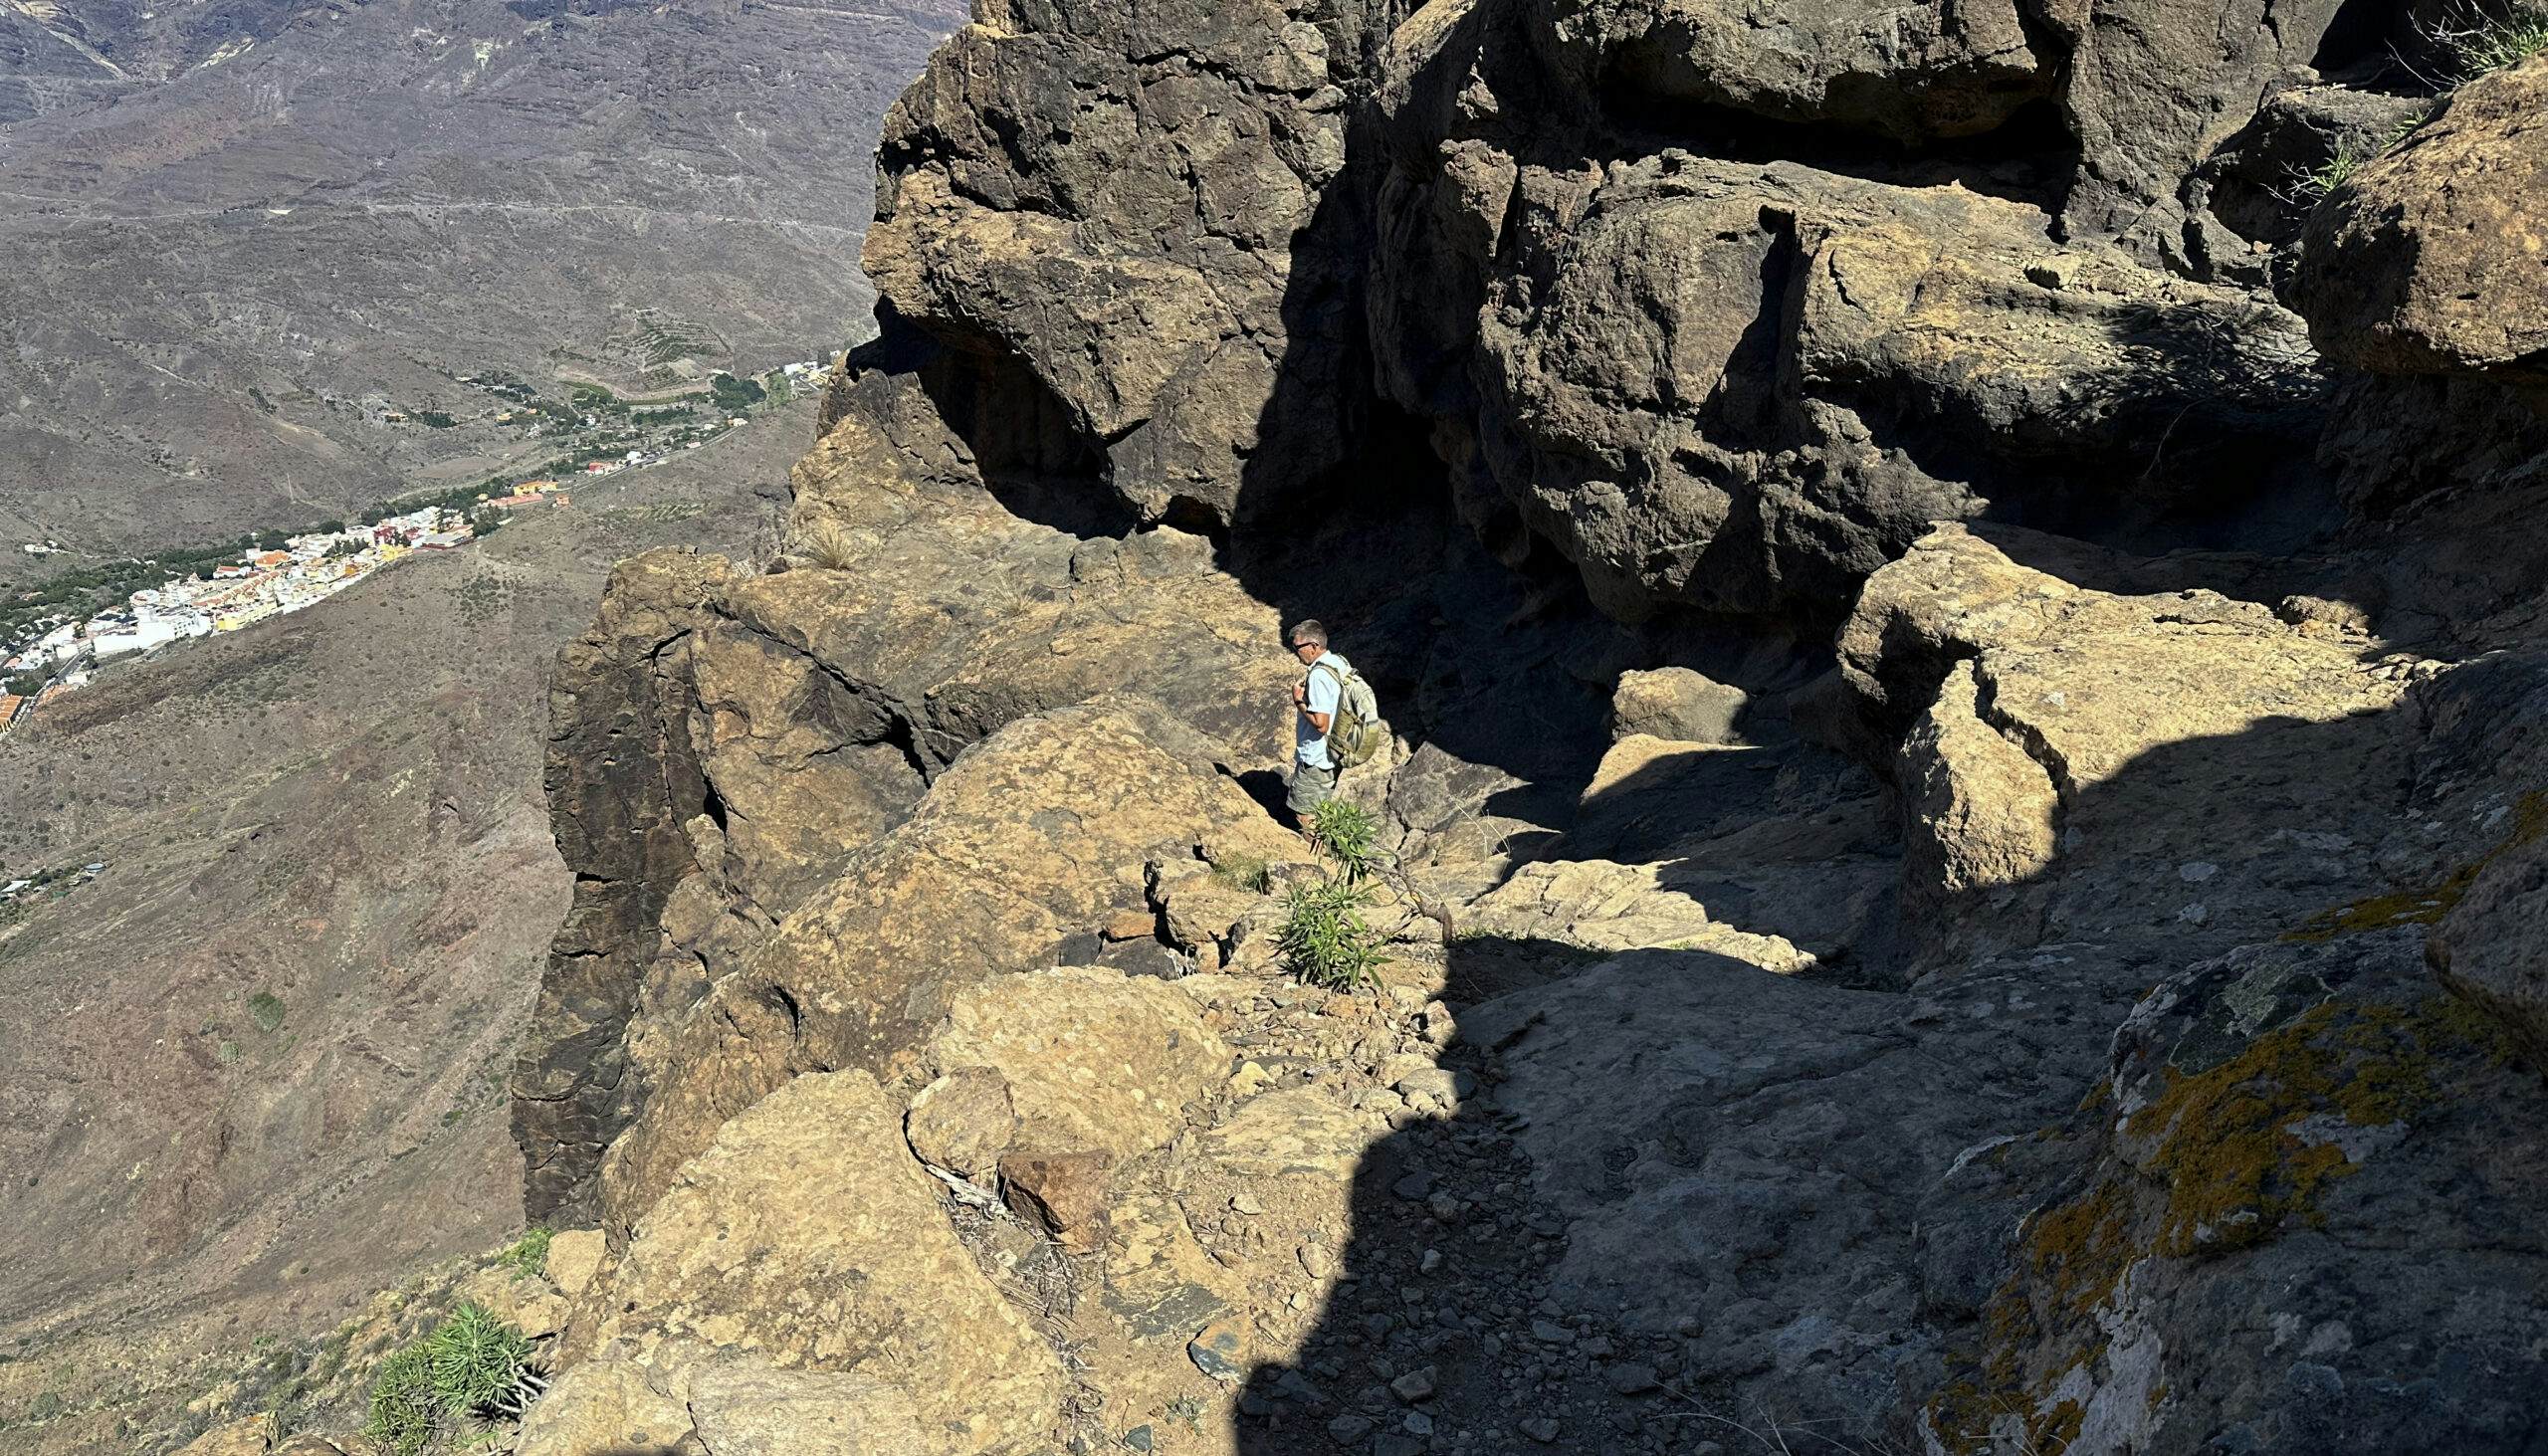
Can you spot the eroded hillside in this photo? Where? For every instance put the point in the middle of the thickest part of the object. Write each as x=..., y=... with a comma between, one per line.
x=261, y=253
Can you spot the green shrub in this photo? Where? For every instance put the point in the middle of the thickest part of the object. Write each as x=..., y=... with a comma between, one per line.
x=403, y=1419
x=1349, y=835
x=2485, y=44
x=530, y=1254
x=265, y=1009
x=1325, y=940
x=475, y=1361
x=472, y=1367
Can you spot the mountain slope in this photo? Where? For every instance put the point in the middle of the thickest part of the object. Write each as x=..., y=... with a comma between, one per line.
x=248, y=236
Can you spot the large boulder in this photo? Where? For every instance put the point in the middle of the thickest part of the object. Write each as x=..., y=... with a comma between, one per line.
x=1911, y=73
x=1743, y=386
x=2227, y=1271
x=1123, y=270
x=2088, y=764
x=2428, y=260
x=805, y=1233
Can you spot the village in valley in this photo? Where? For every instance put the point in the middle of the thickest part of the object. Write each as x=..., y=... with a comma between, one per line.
x=55, y=639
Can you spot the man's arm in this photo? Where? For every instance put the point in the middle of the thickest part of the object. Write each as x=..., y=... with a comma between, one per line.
x=1320, y=690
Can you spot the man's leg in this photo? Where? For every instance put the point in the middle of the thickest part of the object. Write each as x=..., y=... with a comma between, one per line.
x=1311, y=787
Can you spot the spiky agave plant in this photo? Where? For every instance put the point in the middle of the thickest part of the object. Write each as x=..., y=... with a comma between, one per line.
x=1325, y=940
x=481, y=1365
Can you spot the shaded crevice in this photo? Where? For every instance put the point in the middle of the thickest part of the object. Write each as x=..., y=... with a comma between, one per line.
x=1033, y=453
x=2031, y=159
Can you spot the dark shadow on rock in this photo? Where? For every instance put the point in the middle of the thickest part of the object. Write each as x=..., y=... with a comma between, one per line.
x=1688, y=1200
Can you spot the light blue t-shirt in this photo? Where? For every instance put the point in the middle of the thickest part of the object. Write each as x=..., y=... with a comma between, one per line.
x=1326, y=690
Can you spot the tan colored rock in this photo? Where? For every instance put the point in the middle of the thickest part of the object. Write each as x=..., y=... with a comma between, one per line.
x=308, y=1446
x=574, y=1257
x=2429, y=258
x=1095, y=1060
x=2134, y=711
x=1063, y=1193
x=806, y=1233
x=749, y=1408
x=1678, y=706
x=1300, y=1131
x=1027, y=841
x=1980, y=813
x=962, y=1123
x=1600, y=904
x=607, y=1404
x=526, y=1302
x=236, y=1438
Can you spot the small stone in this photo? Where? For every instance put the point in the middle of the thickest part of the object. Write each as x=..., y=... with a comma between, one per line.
x=1432, y=1261
x=1415, y=1187
x=1246, y=1202
x=1315, y=1259
x=962, y=1123
x=1130, y=925
x=1250, y=1078
x=1063, y=1193
x=1550, y=1332
x=1445, y=1207
x=1414, y=1385
x=1138, y=1438
x=1541, y=1429
x=1630, y=1377
x=1219, y=1351
x=1417, y=1424
x=1348, y=1430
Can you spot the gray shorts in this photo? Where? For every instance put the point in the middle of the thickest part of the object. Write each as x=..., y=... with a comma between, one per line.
x=1311, y=787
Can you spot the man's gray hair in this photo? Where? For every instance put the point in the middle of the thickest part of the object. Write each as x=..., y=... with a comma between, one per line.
x=1312, y=631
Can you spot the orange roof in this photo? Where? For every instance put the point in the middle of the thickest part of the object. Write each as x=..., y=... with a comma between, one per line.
x=274, y=558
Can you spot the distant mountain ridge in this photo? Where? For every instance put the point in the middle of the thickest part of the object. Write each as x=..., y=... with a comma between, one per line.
x=247, y=232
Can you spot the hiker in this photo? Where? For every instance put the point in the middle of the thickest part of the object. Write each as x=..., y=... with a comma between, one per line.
x=1315, y=699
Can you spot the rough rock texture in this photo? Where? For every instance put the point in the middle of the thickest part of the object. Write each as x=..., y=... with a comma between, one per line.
x=2428, y=260
x=1677, y=703
x=2018, y=1039
x=1017, y=847
x=804, y=1233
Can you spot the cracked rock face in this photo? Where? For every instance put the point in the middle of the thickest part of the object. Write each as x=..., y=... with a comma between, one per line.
x=1971, y=991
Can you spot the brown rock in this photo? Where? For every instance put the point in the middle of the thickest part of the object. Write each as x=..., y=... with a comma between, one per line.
x=1130, y=925
x=1676, y=705
x=1021, y=845
x=962, y=1123
x=807, y=1229
x=2429, y=259
x=1064, y=1193
x=575, y=1258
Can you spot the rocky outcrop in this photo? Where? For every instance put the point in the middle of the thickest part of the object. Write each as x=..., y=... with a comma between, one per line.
x=1968, y=991
x=1018, y=848
x=2427, y=261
